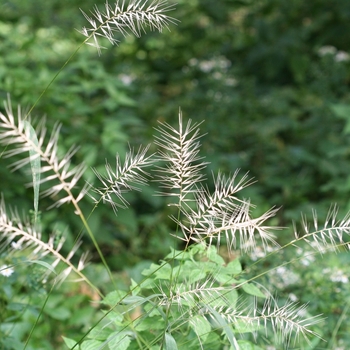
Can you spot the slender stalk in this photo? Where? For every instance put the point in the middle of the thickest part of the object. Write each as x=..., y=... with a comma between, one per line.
x=54, y=78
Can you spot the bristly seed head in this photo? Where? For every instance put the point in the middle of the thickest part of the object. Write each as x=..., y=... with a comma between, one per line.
x=126, y=19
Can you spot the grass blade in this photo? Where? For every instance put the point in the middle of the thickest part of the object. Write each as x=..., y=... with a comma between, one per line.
x=35, y=166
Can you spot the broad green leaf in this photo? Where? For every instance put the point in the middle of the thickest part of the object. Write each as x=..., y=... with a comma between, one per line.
x=199, y=248
x=234, y=267
x=159, y=272
x=342, y=111
x=12, y=342
x=99, y=334
x=148, y=283
x=34, y=164
x=201, y=327
x=116, y=317
x=164, y=272
x=170, y=343
x=231, y=297
x=252, y=290
x=16, y=306
x=244, y=327
x=189, y=272
x=226, y=299
x=213, y=255
x=70, y=343
x=179, y=255
x=114, y=297
x=247, y=345
x=150, y=323
x=59, y=313
x=222, y=277
x=91, y=345
x=120, y=341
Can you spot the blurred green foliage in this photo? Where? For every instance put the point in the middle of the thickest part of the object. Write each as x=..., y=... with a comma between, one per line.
x=270, y=77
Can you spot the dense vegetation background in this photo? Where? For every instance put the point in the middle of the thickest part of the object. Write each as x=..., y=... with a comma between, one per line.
x=271, y=79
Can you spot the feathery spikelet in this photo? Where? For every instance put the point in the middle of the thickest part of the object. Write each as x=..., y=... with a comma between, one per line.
x=126, y=19
x=13, y=133
x=126, y=177
x=328, y=236
x=179, y=148
x=212, y=299
x=16, y=234
x=213, y=216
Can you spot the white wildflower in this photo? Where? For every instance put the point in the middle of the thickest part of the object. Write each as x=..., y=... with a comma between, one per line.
x=193, y=62
x=6, y=270
x=293, y=297
x=207, y=66
x=342, y=56
x=284, y=277
x=307, y=260
x=126, y=79
x=339, y=276
x=327, y=50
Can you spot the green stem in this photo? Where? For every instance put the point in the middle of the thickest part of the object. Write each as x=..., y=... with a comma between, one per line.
x=55, y=77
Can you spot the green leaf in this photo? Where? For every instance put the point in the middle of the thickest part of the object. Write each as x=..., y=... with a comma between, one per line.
x=150, y=323
x=199, y=248
x=342, y=111
x=201, y=327
x=164, y=272
x=134, y=287
x=70, y=343
x=178, y=255
x=170, y=343
x=34, y=164
x=120, y=341
x=12, y=343
x=224, y=278
x=99, y=334
x=244, y=327
x=234, y=267
x=91, y=345
x=114, y=297
x=213, y=255
x=159, y=272
x=247, y=345
x=252, y=290
x=232, y=297
x=189, y=272
x=16, y=306
x=59, y=313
